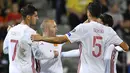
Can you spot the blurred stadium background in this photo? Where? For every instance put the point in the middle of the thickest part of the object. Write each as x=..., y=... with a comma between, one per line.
x=67, y=14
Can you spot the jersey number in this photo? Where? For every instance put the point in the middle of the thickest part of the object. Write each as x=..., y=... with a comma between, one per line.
x=14, y=53
x=95, y=44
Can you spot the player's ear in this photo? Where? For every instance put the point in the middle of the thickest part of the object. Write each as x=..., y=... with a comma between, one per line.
x=28, y=17
x=88, y=13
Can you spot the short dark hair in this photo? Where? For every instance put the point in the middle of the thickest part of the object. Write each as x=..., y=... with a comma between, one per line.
x=107, y=19
x=28, y=10
x=95, y=9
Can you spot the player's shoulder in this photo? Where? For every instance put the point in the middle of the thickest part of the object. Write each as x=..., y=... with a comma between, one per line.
x=109, y=30
x=81, y=26
x=25, y=27
x=89, y=24
x=13, y=28
x=86, y=26
x=30, y=30
x=19, y=27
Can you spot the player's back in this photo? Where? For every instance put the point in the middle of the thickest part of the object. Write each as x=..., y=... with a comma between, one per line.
x=53, y=65
x=95, y=37
x=19, y=58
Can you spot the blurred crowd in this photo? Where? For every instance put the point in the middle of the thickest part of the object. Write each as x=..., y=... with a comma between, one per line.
x=75, y=11
x=9, y=15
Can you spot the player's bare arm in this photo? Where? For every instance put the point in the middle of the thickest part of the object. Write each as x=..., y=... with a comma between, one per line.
x=56, y=40
x=124, y=46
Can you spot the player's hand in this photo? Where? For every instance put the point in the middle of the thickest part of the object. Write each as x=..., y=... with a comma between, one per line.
x=56, y=53
x=36, y=37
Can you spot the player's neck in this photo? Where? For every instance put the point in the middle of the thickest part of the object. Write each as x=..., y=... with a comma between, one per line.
x=93, y=19
x=25, y=22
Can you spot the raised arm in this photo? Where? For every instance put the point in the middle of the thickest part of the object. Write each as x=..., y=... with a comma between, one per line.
x=72, y=36
x=124, y=46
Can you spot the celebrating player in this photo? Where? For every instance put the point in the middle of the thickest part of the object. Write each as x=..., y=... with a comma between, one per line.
x=19, y=46
x=50, y=65
x=94, y=38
